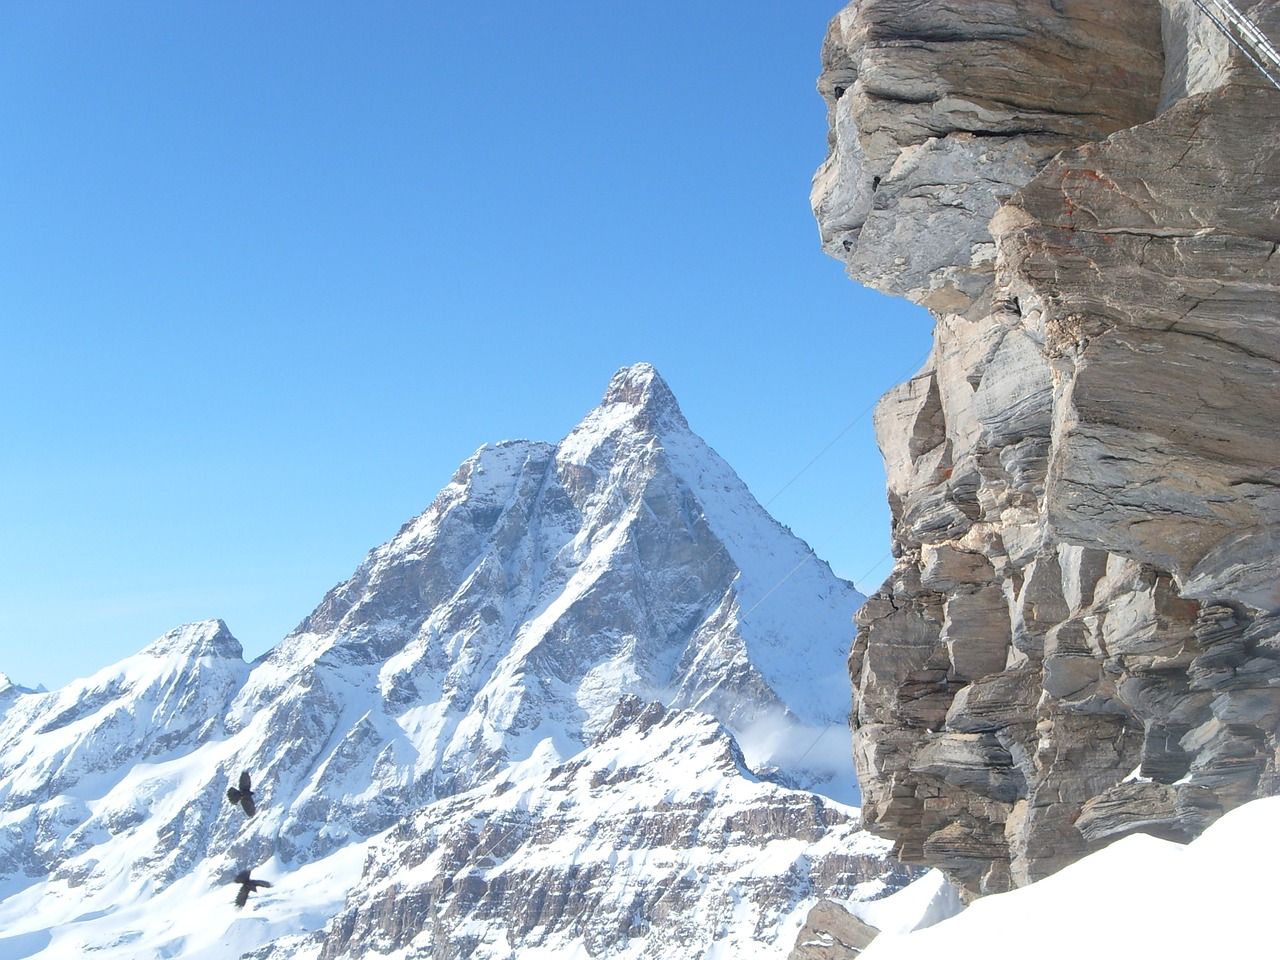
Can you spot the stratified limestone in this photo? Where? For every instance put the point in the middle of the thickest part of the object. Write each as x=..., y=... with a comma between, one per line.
x=1079, y=638
x=939, y=110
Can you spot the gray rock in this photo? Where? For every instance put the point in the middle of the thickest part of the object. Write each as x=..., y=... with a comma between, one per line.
x=630, y=846
x=831, y=932
x=939, y=110
x=1084, y=479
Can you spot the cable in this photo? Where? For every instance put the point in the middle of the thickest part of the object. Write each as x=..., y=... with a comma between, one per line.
x=887, y=556
x=807, y=557
x=1249, y=32
x=829, y=725
x=813, y=555
x=903, y=377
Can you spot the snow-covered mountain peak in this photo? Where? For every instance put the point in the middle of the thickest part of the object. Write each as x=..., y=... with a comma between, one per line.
x=205, y=638
x=546, y=581
x=642, y=391
x=638, y=408
x=87, y=735
x=10, y=691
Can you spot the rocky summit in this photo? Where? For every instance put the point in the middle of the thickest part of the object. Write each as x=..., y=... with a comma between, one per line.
x=593, y=694
x=1079, y=638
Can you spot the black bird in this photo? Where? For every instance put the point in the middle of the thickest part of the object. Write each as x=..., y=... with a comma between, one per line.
x=247, y=884
x=243, y=796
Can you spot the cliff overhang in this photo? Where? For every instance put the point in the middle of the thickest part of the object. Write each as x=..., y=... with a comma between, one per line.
x=1081, y=634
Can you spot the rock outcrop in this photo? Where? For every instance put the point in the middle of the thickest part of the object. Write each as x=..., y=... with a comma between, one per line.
x=1079, y=638
x=831, y=932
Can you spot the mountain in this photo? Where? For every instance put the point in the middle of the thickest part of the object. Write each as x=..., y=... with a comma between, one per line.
x=587, y=696
x=655, y=842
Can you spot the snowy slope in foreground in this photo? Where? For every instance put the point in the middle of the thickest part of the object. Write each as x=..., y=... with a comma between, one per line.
x=1139, y=897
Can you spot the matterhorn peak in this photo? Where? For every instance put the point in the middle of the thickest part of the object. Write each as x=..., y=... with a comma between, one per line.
x=638, y=385
x=639, y=393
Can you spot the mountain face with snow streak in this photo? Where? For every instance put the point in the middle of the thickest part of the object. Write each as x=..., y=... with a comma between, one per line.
x=465, y=666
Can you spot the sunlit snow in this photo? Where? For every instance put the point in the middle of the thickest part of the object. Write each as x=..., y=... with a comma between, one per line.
x=1139, y=897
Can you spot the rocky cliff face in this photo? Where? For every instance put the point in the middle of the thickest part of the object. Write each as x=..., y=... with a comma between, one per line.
x=1079, y=638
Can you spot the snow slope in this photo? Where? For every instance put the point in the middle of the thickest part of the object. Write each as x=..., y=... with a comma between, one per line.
x=1138, y=897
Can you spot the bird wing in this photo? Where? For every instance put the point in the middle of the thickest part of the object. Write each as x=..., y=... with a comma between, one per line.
x=241, y=877
x=245, y=785
x=243, y=896
x=250, y=807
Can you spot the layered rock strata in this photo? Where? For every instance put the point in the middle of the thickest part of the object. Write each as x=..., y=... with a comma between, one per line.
x=1079, y=637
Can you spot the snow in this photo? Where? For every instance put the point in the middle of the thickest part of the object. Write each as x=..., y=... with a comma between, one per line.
x=1139, y=897
x=551, y=816
x=192, y=918
x=539, y=815
x=920, y=904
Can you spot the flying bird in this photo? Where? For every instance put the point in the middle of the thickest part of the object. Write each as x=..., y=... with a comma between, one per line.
x=243, y=796
x=247, y=884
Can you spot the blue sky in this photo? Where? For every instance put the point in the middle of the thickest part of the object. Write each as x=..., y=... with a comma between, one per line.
x=270, y=271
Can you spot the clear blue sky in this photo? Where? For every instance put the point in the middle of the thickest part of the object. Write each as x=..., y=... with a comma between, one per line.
x=270, y=271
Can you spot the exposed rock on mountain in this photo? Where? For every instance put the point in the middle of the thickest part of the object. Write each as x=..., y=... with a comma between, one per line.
x=1079, y=638
x=642, y=846
x=439, y=751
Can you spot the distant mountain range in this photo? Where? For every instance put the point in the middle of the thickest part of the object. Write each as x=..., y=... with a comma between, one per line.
x=592, y=696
